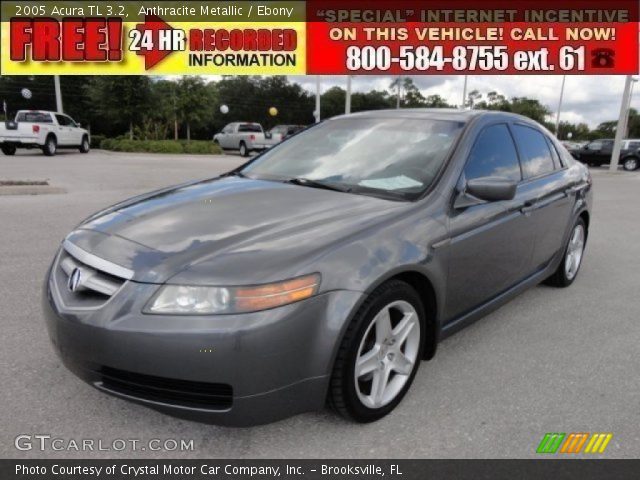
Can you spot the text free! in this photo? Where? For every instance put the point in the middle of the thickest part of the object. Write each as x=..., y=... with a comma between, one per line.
x=74, y=39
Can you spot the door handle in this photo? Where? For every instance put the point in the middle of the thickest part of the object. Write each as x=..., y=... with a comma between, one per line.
x=528, y=206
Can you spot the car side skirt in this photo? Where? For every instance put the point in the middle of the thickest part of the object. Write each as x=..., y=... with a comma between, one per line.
x=496, y=302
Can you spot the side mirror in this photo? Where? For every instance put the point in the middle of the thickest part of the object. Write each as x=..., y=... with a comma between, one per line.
x=492, y=189
x=78, y=124
x=485, y=189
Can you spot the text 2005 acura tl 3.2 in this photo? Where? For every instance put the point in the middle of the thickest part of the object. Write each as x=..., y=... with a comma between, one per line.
x=323, y=270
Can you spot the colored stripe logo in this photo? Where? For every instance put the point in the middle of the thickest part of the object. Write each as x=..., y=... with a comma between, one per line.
x=574, y=443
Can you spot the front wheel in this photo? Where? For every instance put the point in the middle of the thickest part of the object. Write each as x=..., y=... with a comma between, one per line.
x=50, y=146
x=568, y=269
x=9, y=149
x=379, y=355
x=630, y=164
x=84, y=146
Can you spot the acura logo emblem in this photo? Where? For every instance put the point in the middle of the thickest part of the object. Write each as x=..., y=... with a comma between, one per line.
x=74, y=280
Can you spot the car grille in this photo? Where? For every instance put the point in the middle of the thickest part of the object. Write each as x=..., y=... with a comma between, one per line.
x=209, y=396
x=95, y=286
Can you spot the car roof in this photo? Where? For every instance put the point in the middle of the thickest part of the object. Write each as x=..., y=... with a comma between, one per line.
x=452, y=114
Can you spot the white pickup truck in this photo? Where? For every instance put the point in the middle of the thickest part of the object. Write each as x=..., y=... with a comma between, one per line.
x=45, y=130
x=246, y=137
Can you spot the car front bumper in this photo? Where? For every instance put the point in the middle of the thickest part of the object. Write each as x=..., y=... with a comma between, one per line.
x=223, y=369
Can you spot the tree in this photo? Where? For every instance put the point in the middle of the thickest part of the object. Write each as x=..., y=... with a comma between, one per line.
x=436, y=101
x=472, y=97
x=332, y=102
x=120, y=99
x=192, y=102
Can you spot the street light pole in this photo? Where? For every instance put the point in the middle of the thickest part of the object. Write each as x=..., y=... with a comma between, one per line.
x=56, y=84
x=613, y=165
x=625, y=130
x=347, y=100
x=464, y=91
x=564, y=77
x=317, y=112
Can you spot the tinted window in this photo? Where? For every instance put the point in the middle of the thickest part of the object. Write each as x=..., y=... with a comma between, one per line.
x=535, y=153
x=33, y=117
x=634, y=145
x=554, y=153
x=62, y=120
x=493, y=155
x=246, y=127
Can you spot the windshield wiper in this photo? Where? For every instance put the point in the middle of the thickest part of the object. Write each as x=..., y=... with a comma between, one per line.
x=306, y=182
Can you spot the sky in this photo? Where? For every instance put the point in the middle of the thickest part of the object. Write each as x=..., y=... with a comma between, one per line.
x=587, y=98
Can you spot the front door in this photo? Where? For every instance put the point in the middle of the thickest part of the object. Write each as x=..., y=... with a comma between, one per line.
x=491, y=243
x=63, y=132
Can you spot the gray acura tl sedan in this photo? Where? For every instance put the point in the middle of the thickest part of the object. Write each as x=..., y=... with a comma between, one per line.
x=323, y=270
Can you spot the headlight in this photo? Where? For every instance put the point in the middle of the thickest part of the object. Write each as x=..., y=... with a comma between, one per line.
x=195, y=300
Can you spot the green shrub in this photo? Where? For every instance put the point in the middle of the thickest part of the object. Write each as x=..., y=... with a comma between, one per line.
x=96, y=141
x=160, y=146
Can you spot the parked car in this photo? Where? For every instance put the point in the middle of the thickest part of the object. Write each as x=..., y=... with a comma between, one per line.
x=244, y=136
x=48, y=131
x=598, y=152
x=284, y=131
x=326, y=268
x=572, y=145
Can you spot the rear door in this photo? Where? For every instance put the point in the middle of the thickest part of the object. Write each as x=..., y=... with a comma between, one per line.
x=548, y=191
x=491, y=242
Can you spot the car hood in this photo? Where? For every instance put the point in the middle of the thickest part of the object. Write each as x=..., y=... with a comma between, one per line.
x=227, y=230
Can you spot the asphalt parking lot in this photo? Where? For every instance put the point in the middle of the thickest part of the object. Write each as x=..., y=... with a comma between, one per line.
x=550, y=361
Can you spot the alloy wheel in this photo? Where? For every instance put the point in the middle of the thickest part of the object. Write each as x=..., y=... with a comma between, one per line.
x=574, y=252
x=387, y=354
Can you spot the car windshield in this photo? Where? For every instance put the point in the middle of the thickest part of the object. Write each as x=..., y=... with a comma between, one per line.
x=391, y=157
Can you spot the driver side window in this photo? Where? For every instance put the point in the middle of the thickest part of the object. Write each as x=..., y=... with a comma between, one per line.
x=493, y=155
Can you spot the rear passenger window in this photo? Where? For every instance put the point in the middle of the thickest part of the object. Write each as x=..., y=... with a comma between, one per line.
x=554, y=153
x=534, y=150
x=493, y=155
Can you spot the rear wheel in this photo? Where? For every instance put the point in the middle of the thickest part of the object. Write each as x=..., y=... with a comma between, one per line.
x=84, y=146
x=50, y=146
x=379, y=355
x=630, y=164
x=244, y=152
x=568, y=269
x=9, y=149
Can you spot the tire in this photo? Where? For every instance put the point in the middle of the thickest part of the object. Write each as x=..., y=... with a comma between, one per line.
x=630, y=164
x=85, y=146
x=9, y=149
x=573, y=252
x=50, y=146
x=244, y=151
x=352, y=391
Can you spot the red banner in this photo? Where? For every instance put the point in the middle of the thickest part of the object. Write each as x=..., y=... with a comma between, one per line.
x=456, y=37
